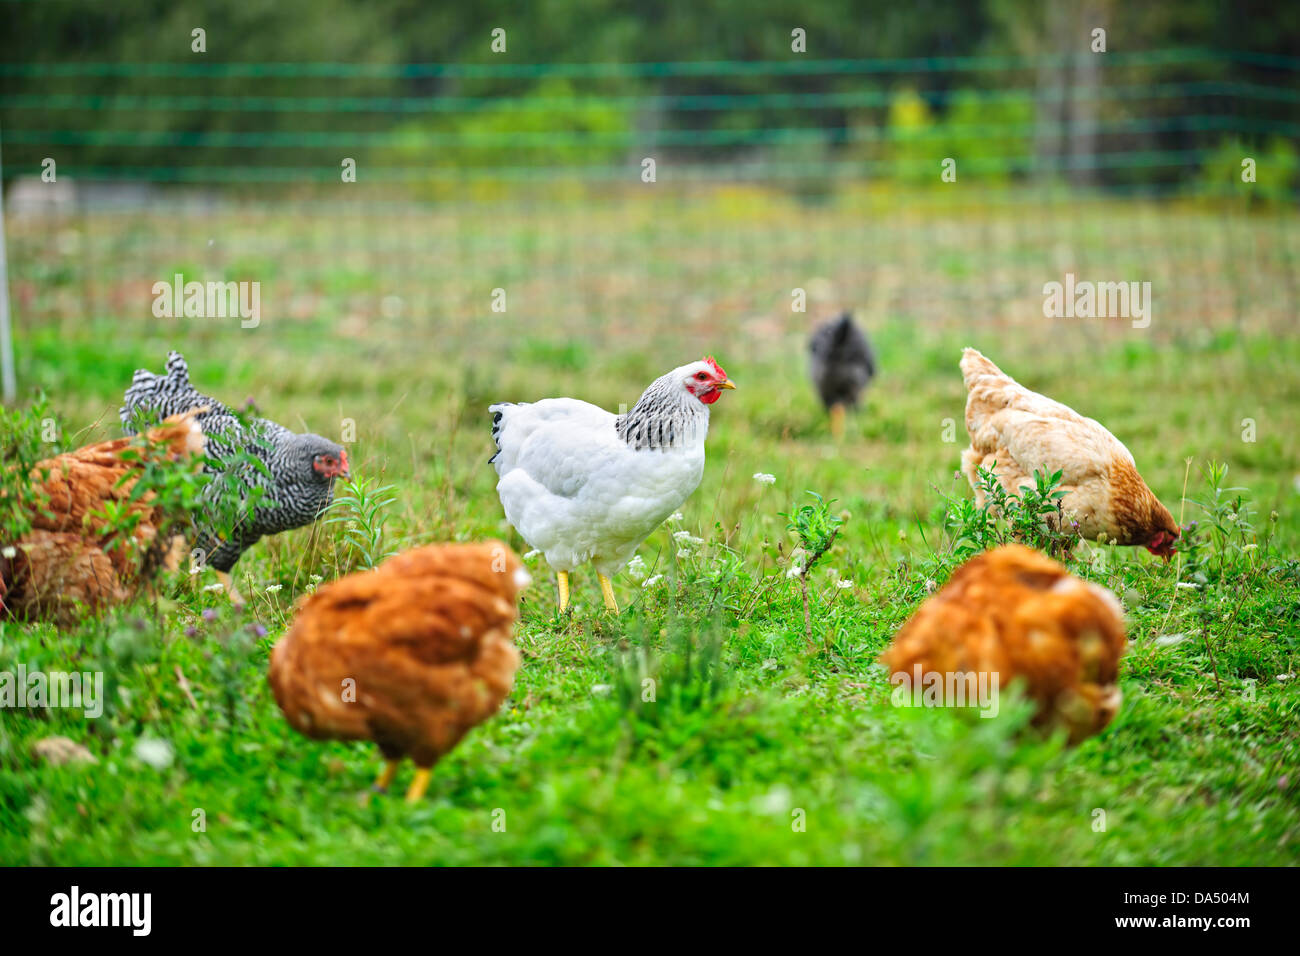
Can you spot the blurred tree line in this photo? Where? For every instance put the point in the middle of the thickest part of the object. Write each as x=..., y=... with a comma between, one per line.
x=1011, y=120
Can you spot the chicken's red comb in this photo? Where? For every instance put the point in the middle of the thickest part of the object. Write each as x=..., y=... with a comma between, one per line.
x=716, y=367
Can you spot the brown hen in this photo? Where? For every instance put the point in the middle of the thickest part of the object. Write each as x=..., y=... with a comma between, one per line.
x=73, y=559
x=411, y=655
x=1017, y=613
x=1014, y=432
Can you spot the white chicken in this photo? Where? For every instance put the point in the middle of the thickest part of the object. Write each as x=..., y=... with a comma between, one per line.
x=581, y=484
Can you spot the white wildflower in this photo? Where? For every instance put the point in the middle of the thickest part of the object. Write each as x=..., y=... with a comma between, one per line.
x=273, y=588
x=764, y=479
x=156, y=753
x=531, y=555
x=1188, y=584
x=794, y=572
x=653, y=581
x=10, y=551
x=675, y=516
x=1249, y=547
x=775, y=801
x=214, y=587
x=601, y=690
x=687, y=539
x=636, y=569
x=846, y=583
x=930, y=585
x=1285, y=676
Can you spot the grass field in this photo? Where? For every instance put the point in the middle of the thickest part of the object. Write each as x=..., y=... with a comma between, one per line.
x=768, y=744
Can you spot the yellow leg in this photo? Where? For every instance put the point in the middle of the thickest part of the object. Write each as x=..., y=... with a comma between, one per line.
x=229, y=584
x=386, y=776
x=562, y=578
x=419, y=784
x=837, y=421
x=607, y=589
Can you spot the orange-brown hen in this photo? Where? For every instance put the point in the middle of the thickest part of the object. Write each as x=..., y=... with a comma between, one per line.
x=1017, y=613
x=411, y=655
x=73, y=558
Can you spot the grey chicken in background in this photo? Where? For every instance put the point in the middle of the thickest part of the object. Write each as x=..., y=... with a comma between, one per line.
x=842, y=364
x=302, y=468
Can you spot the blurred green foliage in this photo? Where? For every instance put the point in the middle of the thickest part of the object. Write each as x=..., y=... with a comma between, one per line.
x=408, y=117
x=1276, y=170
x=554, y=129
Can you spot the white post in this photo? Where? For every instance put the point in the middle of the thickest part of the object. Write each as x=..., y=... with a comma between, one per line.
x=8, y=383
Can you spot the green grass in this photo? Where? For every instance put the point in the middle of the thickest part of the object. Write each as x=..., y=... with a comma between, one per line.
x=780, y=729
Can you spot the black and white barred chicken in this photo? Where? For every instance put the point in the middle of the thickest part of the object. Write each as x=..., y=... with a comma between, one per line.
x=581, y=484
x=302, y=467
x=842, y=364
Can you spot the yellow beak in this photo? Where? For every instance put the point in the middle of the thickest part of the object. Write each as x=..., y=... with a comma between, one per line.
x=727, y=384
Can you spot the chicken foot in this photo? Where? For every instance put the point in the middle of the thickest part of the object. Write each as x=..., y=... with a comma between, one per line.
x=419, y=784
x=562, y=581
x=607, y=589
x=229, y=584
x=837, y=420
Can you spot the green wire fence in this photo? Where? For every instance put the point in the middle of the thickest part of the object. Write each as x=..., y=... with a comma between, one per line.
x=622, y=201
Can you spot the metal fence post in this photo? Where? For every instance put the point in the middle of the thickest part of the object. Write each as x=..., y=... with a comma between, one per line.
x=8, y=383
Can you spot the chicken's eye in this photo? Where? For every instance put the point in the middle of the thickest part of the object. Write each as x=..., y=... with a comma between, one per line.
x=700, y=376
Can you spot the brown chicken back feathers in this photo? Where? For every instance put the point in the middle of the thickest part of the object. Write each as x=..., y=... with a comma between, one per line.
x=1023, y=431
x=424, y=641
x=1019, y=614
x=70, y=558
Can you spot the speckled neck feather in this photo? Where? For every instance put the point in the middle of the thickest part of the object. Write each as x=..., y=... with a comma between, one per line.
x=665, y=416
